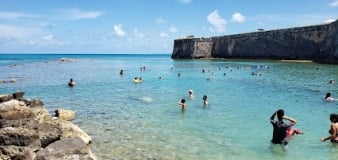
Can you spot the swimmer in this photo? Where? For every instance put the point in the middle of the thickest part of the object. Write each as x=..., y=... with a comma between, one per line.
x=330, y=81
x=333, y=137
x=179, y=74
x=71, y=83
x=121, y=72
x=191, y=94
x=135, y=80
x=160, y=78
x=182, y=104
x=140, y=79
x=205, y=100
x=290, y=132
x=328, y=97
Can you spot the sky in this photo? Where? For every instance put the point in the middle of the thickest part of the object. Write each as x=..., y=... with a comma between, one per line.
x=144, y=26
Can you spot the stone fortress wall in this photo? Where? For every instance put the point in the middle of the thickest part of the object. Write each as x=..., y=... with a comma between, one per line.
x=318, y=43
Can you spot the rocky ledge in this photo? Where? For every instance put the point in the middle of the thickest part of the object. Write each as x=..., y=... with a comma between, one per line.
x=28, y=131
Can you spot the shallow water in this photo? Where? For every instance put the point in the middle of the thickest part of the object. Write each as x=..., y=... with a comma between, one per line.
x=144, y=121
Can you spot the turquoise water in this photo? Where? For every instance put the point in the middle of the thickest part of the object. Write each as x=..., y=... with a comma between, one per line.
x=144, y=121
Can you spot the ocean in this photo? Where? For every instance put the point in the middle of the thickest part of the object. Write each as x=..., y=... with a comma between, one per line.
x=144, y=121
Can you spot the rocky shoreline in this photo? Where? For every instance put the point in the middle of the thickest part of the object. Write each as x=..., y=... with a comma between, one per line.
x=28, y=131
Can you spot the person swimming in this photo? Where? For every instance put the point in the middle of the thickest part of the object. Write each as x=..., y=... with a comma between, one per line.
x=328, y=97
x=182, y=104
x=191, y=94
x=71, y=83
x=205, y=100
x=136, y=80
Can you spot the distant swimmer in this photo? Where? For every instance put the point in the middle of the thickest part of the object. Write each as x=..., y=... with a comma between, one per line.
x=331, y=81
x=71, y=83
x=135, y=80
x=140, y=80
x=191, y=94
x=182, y=104
x=121, y=72
x=205, y=100
x=328, y=97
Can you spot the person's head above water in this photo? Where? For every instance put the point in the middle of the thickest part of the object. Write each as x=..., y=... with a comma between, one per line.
x=205, y=97
x=280, y=114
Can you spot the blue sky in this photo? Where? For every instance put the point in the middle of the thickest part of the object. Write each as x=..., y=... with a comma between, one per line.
x=143, y=26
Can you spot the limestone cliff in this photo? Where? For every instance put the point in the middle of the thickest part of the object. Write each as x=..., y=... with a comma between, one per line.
x=317, y=43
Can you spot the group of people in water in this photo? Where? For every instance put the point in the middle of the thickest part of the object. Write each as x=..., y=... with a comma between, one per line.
x=282, y=131
x=182, y=102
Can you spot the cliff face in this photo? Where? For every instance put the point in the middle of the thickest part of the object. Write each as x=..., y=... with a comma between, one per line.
x=318, y=43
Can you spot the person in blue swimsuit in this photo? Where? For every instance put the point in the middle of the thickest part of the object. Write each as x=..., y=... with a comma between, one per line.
x=280, y=127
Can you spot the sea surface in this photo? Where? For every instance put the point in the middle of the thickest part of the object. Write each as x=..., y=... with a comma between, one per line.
x=144, y=121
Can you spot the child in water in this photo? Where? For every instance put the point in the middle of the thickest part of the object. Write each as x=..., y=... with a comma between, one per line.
x=290, y=132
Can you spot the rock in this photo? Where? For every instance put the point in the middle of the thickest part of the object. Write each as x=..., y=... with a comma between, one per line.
x=41, y=113
x=26, y=122
x=12, y=152
x=69, y=148
x=5, y=98
x=18, y=95
x=33, y=102
x=12, y=80
x=18, y=136
x=66, y=115
x=12, y=110
x=26, y=128
x=48, y=133
x=70, y=130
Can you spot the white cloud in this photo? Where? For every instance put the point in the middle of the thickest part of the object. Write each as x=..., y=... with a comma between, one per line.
x=10, y=31
x=48, y=37
x=329, y=21
x=217, y=21
x=138, y=34
x=237, y=17
x=75, y=14
x=185, y=1
x=16, y=15
x=159, y=21
x=334, y=3
x=162, y=34
x=32, y=43
x=173, y=29
x=118, y=30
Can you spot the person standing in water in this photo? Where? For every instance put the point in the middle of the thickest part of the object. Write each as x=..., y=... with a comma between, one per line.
x=191, y=94
x=205, y=100
x=71, y=83
x=182, y=104
x=280, y=128
x=333, y=137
